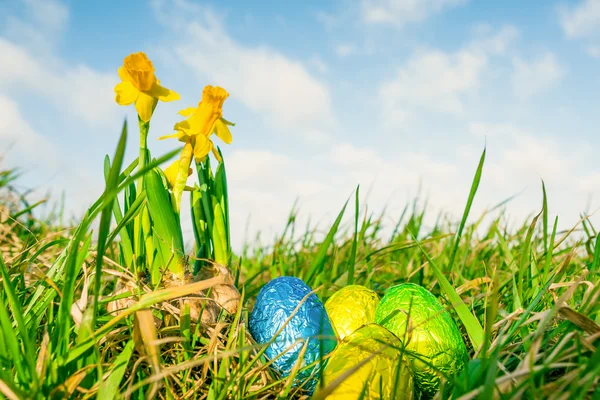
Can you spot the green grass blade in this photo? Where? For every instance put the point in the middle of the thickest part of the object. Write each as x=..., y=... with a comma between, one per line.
x=11, y=341
x=131, y=213
x=352, y=259
x=29, y=350
x=472, y=193
x=596, y=260
x=525, y=254
x=166, y=227
x=319, y=261
x=126, y=243
x=472, y=325
x=545, y=216
x=70, y=267
x=110, y=388
x=28, y=209
x=105, y=217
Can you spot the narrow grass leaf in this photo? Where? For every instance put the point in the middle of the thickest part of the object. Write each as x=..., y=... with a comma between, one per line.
x=352, y=259
x=472, y=193
x=109, y=389
x=472, y=325
x=319, y=261
x=165, y=222
x=105, y=217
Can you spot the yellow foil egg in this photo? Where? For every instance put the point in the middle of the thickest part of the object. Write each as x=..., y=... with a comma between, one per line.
x=369, y=364
x=350, y=308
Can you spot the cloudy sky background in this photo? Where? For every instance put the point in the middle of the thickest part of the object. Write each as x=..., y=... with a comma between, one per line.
x=390, y=94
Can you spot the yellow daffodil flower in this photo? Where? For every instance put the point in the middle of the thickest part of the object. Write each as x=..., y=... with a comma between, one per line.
x=203, y=121
x=140, y=86
x=195, y=132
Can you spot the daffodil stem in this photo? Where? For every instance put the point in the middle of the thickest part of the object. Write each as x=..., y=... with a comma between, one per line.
x=144, y=128
x=138, y=228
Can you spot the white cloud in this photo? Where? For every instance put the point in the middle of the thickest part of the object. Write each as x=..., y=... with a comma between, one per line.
x=47, y=170
x=400, y=12
x=90, y=93
x=30, y=63
x=491, y=42
x=530, y=78
x=581, y=20
x=519, y=160
x=329, y=21
x=319, y=64
x=33, y=72
x=43, y=24
x=266, y=81
x=433, y=80
x=439, y=81
x=344, y=50
x=593, y=51
x=48, y=13
x=76, y=90
x=21, y=145
x=264, y=185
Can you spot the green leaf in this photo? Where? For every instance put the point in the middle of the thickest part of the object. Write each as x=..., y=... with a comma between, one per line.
x=472, y=193
x=111, y=183
x=109, y=389
x=166, y=227
x=352, y=259
x=219, y=236
x=472, y=325
x=526, y=254
x=22, y=359
x=318, y=263
x=126, y=243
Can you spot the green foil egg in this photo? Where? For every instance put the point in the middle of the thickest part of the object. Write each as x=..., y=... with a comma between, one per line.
x=350, y=308
x=433, y=336
x=384, y=374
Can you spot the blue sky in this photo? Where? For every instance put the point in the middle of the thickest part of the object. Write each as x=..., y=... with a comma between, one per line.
x=390, y=94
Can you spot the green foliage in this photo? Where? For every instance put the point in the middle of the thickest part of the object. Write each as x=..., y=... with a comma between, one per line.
x=527, y=301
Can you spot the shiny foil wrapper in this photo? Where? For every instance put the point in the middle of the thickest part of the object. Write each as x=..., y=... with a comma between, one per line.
x=351, y=308
x=386, y=374
x=433, y=336
x=275, y=303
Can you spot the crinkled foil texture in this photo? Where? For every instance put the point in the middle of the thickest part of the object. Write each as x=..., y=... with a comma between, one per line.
x=350, y=308
x=435, y=337
x=275, y=303
x=385, y=376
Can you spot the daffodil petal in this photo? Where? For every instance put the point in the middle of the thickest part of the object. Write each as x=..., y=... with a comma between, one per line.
x=227, y=122
x=126, y=93
x=203, y=146
x=217, y=155
x=162, y=93
x=188, y=126
x=223, y=132
x=188, y=111
x=171, y=173
x=172, y=136
x=145, y=106
x=123, y=74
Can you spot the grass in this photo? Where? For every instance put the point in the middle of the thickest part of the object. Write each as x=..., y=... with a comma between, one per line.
x=527, y=301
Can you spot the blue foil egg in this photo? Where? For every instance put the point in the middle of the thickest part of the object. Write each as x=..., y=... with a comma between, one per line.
x=275, y=303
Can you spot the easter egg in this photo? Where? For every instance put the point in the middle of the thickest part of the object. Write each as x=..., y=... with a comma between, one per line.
x=350, y=308
x=430, y=334
x=370, y=365
x=275, y=304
